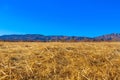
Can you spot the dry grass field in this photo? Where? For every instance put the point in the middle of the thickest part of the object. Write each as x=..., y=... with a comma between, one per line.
x=59, y=61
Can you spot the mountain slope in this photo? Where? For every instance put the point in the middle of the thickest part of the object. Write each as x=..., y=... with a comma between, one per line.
x=109, y=37
x=38, y=37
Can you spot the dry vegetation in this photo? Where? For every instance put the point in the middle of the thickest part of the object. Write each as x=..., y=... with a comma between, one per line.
x=59, y=61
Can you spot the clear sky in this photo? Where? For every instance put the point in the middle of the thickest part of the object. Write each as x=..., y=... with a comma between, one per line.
x=60, y=17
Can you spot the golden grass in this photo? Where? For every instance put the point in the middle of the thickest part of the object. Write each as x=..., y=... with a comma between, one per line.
x=59, y=61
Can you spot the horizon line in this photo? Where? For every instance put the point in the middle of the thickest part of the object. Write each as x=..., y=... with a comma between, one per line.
x=55, y=35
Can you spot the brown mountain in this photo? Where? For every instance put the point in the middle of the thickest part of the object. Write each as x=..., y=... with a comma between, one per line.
x=109, y=37
x=38, y=37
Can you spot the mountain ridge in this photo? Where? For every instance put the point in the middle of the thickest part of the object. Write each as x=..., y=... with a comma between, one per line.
x=109, y=37
x=44, y=38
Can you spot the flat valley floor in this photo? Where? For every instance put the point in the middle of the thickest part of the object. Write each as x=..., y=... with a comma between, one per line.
x=59, y=61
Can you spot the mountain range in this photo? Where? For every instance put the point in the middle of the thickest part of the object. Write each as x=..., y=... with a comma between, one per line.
x=43, y=38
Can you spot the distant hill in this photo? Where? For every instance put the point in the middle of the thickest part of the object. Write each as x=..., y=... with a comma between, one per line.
x=43, y=38
x=38, y=37
x=109, y=37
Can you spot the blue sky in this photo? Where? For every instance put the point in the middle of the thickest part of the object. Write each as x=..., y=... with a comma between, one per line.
x=60, y=17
